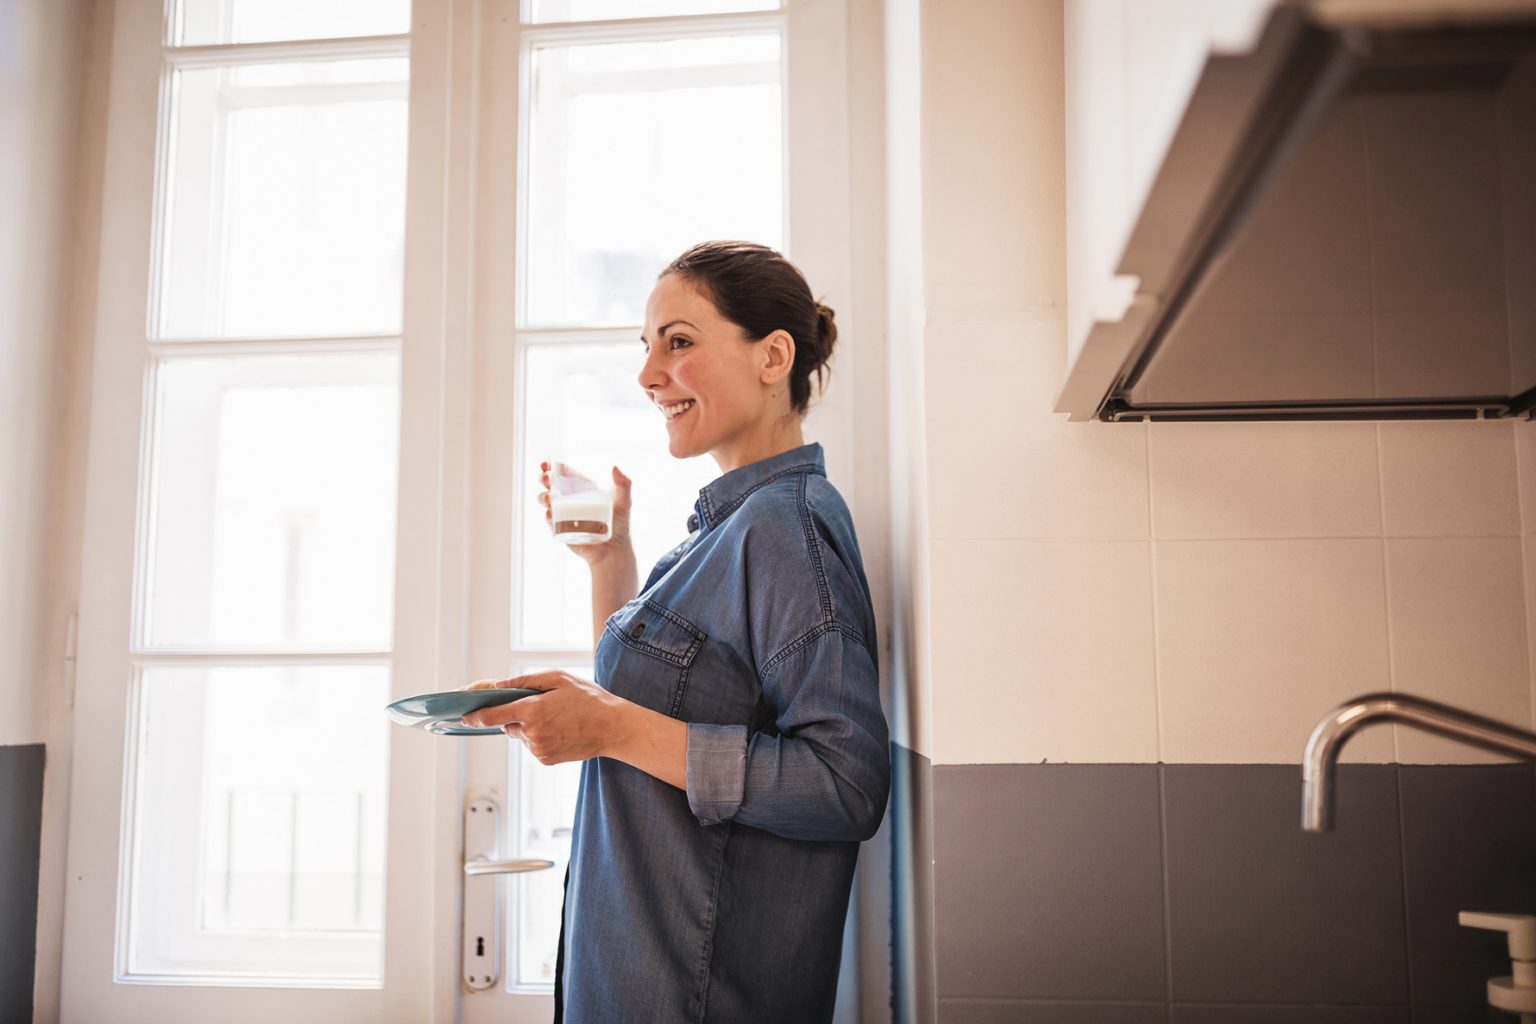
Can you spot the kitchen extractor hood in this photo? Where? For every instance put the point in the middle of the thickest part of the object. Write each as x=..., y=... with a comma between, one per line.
x=1343, y=227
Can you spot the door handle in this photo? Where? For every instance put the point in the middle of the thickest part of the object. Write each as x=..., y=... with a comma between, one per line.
x=485, y=866
x=482, y=908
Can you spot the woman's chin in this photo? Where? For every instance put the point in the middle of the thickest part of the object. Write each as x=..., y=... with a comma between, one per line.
x=679, y=447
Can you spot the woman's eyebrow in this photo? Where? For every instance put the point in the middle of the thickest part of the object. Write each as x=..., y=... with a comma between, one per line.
x=661, y=332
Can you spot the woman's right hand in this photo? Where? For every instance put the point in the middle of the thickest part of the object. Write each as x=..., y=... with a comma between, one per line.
x=618, y=537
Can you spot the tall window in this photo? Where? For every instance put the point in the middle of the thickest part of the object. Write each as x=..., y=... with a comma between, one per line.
x=263, y=607
x=647, y=126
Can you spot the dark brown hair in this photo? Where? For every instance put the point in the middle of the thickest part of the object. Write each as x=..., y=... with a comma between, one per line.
x=756, y=288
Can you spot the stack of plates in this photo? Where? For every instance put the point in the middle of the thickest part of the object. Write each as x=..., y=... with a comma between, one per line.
x=440, y=712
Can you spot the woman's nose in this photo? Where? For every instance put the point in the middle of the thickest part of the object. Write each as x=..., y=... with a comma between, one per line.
x=651, y=374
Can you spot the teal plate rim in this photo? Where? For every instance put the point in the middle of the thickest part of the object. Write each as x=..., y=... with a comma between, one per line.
x=439, y=713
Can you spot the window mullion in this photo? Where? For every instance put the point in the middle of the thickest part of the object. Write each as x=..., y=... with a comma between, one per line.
x=289, y=51
x=276, y=346
x=651, y=80
x=150, y=657
x=634, y=29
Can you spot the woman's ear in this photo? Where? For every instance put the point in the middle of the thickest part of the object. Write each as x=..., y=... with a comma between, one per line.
x=778, y=356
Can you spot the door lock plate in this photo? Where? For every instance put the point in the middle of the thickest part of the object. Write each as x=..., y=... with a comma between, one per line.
x=481, y=954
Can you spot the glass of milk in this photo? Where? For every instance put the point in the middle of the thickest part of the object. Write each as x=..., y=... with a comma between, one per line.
x=580, y=510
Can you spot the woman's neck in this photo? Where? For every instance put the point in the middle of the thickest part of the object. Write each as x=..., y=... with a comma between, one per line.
x=780, y=436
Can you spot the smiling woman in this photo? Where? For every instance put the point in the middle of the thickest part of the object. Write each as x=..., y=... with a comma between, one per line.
x=733, y=748
x=708, y=300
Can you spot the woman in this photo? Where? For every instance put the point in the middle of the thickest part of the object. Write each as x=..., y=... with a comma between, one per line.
x=734, y=747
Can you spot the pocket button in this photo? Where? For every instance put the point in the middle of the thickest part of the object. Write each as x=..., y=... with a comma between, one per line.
x=637, y=630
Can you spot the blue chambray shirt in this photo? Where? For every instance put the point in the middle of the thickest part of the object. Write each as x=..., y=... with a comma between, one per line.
x=726, y=902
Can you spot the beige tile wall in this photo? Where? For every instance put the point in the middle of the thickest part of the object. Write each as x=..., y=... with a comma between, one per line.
x=1172, y=592
x=1204, y=592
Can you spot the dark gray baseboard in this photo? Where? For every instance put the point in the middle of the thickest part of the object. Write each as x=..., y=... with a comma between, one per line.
x=21, y=827
x=1188, y=894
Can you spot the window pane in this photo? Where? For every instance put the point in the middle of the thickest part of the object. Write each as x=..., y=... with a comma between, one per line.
x=259, y=822
x=639, y=150
x=583, y=401
x=272, y=501
x=603, y=10
x=284, y=201
x=202, y=22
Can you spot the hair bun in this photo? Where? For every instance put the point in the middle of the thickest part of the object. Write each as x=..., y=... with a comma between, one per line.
x=826, y=337
x=826, y=330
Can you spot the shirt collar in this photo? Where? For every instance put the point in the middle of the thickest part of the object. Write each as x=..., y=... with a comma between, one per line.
x=724, y=494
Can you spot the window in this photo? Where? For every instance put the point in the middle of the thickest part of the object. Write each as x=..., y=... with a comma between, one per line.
x=319, y=386
x=263, y=610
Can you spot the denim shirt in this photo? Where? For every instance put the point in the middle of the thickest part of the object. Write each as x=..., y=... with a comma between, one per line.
x=726, y=902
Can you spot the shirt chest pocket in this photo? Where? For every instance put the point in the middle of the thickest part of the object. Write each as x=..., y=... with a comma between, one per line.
x=651, y=650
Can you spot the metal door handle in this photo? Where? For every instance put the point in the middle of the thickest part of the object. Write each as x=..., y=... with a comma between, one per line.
x=483, y=866
x=481, y=909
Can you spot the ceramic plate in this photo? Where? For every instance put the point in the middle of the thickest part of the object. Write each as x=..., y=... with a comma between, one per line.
x=440, y=712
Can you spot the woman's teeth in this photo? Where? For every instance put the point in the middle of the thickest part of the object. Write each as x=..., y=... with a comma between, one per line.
x=673, y=411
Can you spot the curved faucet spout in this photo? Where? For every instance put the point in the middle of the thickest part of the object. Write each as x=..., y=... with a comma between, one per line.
x=1336, y=727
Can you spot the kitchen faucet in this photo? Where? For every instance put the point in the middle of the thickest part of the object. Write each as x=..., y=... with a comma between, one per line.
x=1515, y=992
x=1336, y=727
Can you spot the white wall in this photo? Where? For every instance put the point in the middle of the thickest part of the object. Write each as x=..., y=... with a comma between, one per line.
x=50, y=176
x=40, y=79
x=905, y=317
x=1172, y=592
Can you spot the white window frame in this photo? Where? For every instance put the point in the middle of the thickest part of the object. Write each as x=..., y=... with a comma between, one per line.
x=229, y=955
x=422, y=781
x=456, y=225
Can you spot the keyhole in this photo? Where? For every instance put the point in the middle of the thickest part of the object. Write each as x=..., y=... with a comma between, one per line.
x=479, y=945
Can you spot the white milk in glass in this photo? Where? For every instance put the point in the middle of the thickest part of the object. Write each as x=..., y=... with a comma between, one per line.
x=581, y=512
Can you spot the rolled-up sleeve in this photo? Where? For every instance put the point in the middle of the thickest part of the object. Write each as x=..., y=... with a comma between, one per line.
x=826, y=775
x=717, y=770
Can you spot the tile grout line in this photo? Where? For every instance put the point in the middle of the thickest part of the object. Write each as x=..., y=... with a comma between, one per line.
x=1162, y=830
x=1386, y=595
x=1402, y=853
x=1381, y=490
x=1157, y=711
x=1157, y=675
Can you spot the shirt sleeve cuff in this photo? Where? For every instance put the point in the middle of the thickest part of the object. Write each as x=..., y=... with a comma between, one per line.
x=717, y=771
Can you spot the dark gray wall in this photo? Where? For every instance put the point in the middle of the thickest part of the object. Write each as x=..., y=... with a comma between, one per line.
x=1188, y=894
x=21, y=823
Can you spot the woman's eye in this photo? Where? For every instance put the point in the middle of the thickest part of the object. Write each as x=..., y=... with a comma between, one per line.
x=680, y=342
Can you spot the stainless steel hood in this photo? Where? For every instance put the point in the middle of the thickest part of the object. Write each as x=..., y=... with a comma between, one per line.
x=1344, y=227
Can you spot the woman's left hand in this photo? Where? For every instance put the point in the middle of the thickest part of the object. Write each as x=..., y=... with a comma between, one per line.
x=571, y=720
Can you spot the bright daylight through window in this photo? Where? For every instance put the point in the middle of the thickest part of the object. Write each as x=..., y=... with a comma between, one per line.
x=265, y=597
